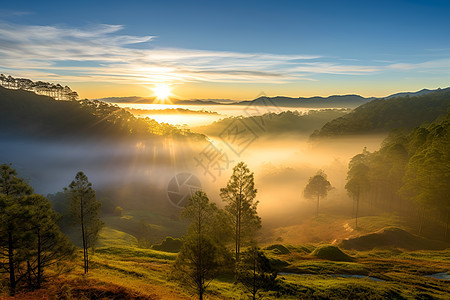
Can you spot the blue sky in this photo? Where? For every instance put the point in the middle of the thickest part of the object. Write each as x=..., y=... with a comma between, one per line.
x=229, y=49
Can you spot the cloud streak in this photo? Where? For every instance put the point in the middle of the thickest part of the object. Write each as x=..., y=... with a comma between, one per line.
x=101, y=54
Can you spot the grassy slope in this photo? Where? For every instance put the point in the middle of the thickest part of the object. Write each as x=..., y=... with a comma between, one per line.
x=123, y=271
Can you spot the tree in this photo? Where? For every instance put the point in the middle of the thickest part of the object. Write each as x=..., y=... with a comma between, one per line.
x=85, y=212
x=358, y=180
x=427, y=176
x=255, y=272
x=200, y=256
x=13, y=191
x=46, y=245
x=239, y=195
x=318, y=186
x=30, y=239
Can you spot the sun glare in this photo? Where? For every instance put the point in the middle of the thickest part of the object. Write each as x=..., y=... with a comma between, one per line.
x=162, y=91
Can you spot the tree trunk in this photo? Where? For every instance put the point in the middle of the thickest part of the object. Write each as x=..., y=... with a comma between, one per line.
x=12, y=276
x=254, y=275
x=238, y=227
x=39, y=266
x=353, y=206
x=83, y=236
x=356, y=212
x=422, y=217
x=318, y=197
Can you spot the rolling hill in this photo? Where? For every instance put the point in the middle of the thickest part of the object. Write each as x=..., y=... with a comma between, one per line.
x=383, y=115
x=26, y=114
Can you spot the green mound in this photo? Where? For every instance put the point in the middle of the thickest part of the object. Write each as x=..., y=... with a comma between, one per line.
x=169, y=245
x=330, y=252
x=392, y=237
x=278, y=249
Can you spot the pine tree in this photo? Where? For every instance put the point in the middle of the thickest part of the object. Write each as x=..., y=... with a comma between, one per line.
x=85, y=212
x=358, y=182
x=46, y=245
x=239, y=195
x=13, y=191
x=201, y=256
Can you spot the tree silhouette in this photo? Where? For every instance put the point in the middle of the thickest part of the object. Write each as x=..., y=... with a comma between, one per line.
x=358, y=180
x=85, y=212
x=318, y=186
x=239, y=195
x=199, y=259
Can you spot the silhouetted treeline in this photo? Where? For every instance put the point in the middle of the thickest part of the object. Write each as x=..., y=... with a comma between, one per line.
x=409, y=174
x=24, y=113
x=288, y=122
x=383, y=115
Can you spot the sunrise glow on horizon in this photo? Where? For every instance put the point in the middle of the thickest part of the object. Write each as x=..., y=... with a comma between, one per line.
x=126, y=50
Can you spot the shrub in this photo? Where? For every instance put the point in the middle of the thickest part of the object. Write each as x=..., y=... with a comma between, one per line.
x=169, y=245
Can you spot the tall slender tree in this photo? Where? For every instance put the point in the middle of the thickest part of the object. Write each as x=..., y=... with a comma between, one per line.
x=239, y=196
x=358, y=181
x=85, y=212
x=318, y=186
x=199, y=258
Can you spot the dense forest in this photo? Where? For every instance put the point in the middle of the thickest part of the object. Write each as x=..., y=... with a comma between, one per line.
x=271, y=124
x=24, y=113
x=409, y=175
x=383, y=115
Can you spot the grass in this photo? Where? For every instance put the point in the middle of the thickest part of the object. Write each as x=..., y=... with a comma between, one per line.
x=331, y=252
x=120, y=270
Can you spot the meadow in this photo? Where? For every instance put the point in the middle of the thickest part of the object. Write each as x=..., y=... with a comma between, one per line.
x=121, y=270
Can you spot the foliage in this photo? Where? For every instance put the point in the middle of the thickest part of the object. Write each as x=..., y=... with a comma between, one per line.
x=169, y=244
x=288, y=122
x=383, y=115
x=318, y=186
x=255, y=272
x=358, y=182
x=85, y=212
x=201, y=255
x=239, y=196
x=84, y=118
x=278, y=249
x=30, y=239
x=409, y=171
x=331, y=252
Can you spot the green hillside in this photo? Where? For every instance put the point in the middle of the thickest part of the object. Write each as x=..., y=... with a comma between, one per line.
x=383, y=115
x=288, y=122
x=24, y=113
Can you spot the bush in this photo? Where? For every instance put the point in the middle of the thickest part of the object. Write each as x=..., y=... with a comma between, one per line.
x=169, y=245
x=118, y=211
x=330, y=252
x=278, y=249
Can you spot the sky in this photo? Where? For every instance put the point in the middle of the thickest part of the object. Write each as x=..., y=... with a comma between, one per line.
x=228, y=49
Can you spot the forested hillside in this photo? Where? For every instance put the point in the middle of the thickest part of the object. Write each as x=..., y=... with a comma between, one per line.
x=24, y=113
x=409, y=175
x=383, y=115
x=288, y=122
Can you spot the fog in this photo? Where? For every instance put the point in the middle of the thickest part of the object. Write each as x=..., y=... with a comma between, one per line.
x=192, y=120
x=136, y=174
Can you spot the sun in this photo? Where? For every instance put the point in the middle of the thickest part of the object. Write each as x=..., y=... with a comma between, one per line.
x=162, y=91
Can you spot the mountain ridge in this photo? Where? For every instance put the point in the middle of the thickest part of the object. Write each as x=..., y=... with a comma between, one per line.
x=332, y=101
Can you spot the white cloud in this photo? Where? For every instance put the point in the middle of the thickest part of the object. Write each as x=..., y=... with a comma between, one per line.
x=101, y=53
